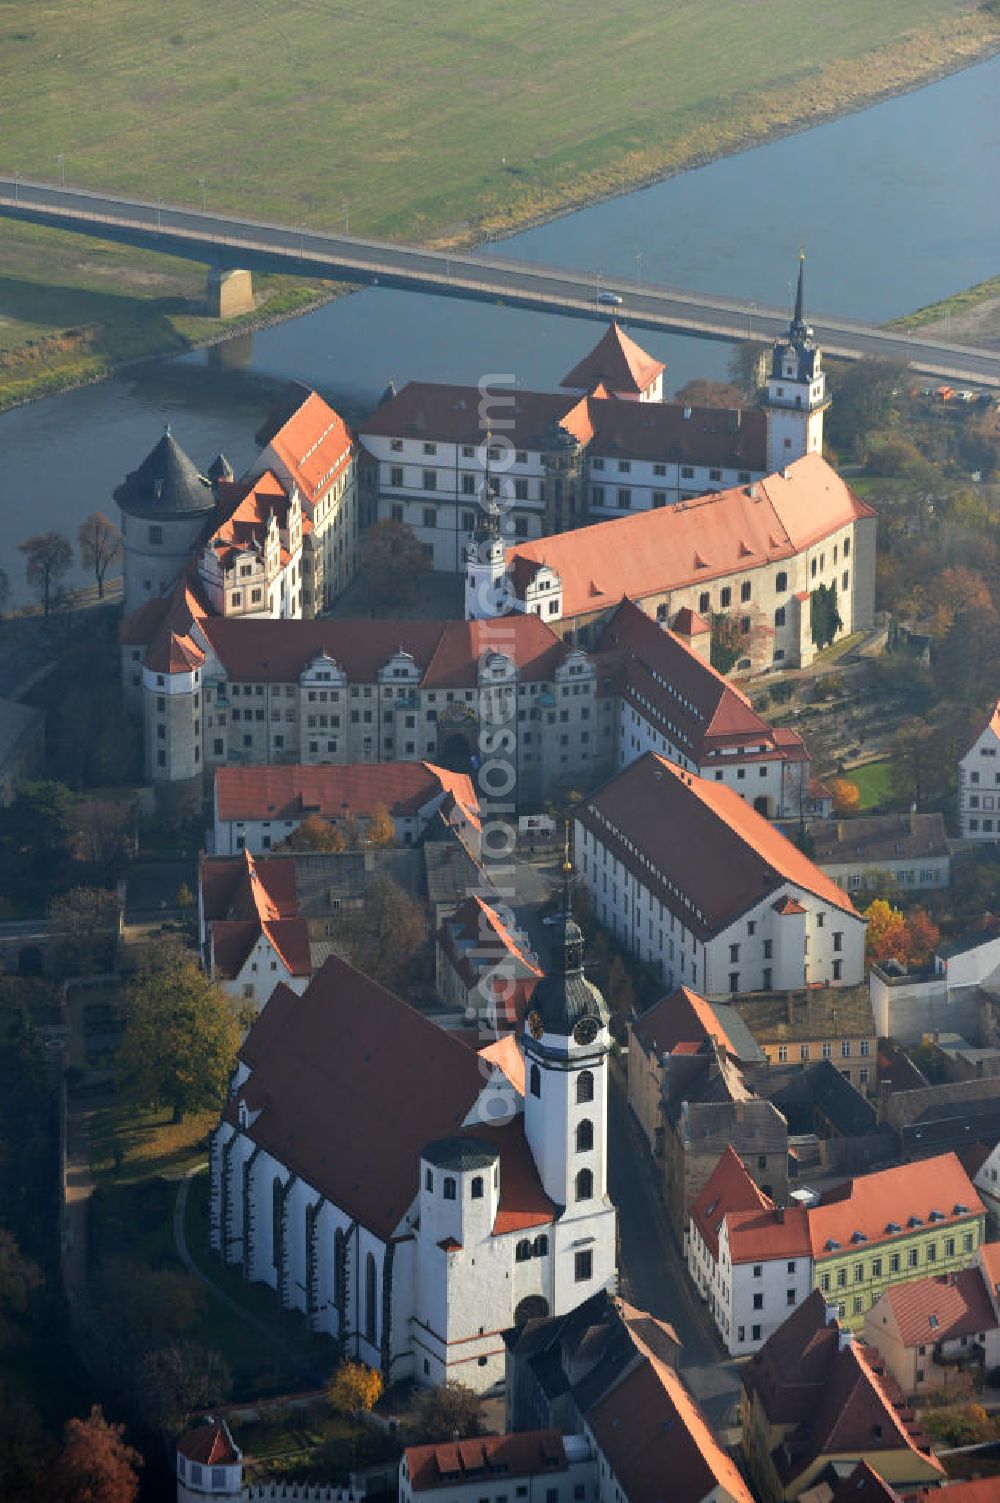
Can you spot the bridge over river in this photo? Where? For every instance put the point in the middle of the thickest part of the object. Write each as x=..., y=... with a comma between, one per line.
x=224, y=242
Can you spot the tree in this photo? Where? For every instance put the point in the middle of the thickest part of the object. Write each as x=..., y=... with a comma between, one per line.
x=442, y=1413
x=394, y=566
x=736, y=635
x=702, y=393
x=181, y=1035
x=173, y=1380
x=48, y=555
x=18, y=1277
x=886, y=938
x=381, y=829
x=87, y=918
x=96, y=1465
x=36, y=833
x=354, y=1387
x=865, y=396
x=386, y=937
x=621, y=994
x=4, y=590
x=26, y=1450
x=103, y=834
x=824, y=617
x=846, y=796
x=923, y=761
x=314, y=834
x=100, y=545
x=748, y=366
x=922, y=935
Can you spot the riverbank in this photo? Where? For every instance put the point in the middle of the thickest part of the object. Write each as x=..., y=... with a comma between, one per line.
x=150, y=313
x=969, y=317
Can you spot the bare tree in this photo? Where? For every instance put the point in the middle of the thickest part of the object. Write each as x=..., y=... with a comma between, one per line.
x=48, y=556
x=100, y=545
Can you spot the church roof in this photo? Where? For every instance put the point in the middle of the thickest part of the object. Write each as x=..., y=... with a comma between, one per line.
x=616, y=362
x=166, y=484
x=726, y=532
x=353, y=1084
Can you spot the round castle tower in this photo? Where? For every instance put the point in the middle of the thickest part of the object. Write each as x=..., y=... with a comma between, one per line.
x=165, y=505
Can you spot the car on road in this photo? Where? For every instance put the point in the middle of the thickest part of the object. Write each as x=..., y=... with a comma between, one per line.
x=614, y=298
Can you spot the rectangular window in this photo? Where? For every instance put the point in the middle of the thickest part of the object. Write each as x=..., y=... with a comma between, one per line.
x=396, y=475
x=725, y=597
x=430, y=480
x=583, y=1266
x=430, y=516
x=758, y=1302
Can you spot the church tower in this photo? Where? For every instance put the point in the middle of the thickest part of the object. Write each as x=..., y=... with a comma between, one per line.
x=566, y=1045
x=487, y=588
x=796, y=391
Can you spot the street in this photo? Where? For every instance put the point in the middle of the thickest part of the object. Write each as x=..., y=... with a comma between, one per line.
x=652, y=1274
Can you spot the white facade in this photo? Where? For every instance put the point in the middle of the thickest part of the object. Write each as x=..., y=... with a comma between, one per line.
x=747, y=1300
x=559, y=1484
x=263, y=970
x=624, y=485
x=979, y=785
x=987, y=1182
x=785, y=941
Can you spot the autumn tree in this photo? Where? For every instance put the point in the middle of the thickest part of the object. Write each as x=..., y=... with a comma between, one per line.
x=621, y=995
x=175, y=1379
x=48, y=556
x=355, y=1387
x=314, y=834
x=181, y=1035
x=736, y=635
x=103, y=834
x=96, y=1465
x=923, y=936
x=387, y=936
x=886, y=937
x=381, y=829
x=865, y=400
x=702, y=393
x=87, y=920
x=446, y=1412
x=846, y=796
x=100, y=546
x=394, y=566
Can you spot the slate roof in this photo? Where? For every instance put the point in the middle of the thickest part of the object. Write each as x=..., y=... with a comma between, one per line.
x=166, y=484
x=843, y=1106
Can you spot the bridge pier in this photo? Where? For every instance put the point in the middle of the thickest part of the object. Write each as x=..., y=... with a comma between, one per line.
x=229, y=292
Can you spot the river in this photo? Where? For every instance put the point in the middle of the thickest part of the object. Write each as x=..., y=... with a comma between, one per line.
x=897, y=206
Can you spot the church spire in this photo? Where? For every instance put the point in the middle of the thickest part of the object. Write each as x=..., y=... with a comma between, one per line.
x=489, y=525
x=798, y=330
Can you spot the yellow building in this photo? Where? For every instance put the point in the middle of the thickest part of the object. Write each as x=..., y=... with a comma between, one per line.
x=820, y=1022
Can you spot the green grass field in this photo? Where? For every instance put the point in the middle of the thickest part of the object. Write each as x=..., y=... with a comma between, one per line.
x=433, y=123
x=873, y=783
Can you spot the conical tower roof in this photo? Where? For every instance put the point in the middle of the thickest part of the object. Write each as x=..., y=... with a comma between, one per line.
x=166, y=484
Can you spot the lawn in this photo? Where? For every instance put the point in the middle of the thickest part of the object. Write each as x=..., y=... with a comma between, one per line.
x=432, y=123
x=873, y=782
x=128, y=1146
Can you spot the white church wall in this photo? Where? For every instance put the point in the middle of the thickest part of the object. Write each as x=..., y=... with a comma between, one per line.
x=260, y=1262
x=299, y=1198
x=595, y=1234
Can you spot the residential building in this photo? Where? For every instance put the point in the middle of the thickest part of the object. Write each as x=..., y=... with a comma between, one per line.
x=474, y=1207
x=672, y=701
x=911, y=849
x=851, y=1243
x=695, y=882
x=253, y=564
x=250, y=931
x=540, y=1466
x=801, y=1027
x=485, y=967
x=705, y=1118
x=979, y=782
x=758, y=552
x=257, y=808
x=815, y=1396
x=987, y=1182
x=931, y=1331
x=607, y=1372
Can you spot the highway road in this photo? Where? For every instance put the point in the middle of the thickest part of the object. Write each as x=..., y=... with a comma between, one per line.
x=258, y=246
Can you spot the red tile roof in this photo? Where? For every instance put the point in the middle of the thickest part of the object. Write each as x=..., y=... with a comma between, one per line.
x=315, y=445
x=870, y=1202
x=658, y=1443
x=209, y=1445
x=865, y=1486
x=447, y=653
x=291, y=792
x=242, y=899
x=249, y=504
x=617, y=363
x=452, y=1463
x=702, y=841
x=989, y=1259
x=505, y=1053
x=731, y=531
x=728, y=1188
x=979, y=1490
x=687, y=623
x=324, y=1067
x=757, y=1236
x=942, y=1308
x=682, y=1018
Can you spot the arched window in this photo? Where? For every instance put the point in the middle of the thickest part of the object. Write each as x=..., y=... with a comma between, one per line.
x=584, y=1185
x=429, y=1180
x=536, y=1081
x=584, y=1135
x=585, y=1085
x=371, y=1300
x=276, y=1209
x=541, y=1246
x=449, y=1188
x=523, y=1251
x=477, y=1187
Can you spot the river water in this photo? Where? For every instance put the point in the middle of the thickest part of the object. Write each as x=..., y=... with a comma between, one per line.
x=897, y=206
